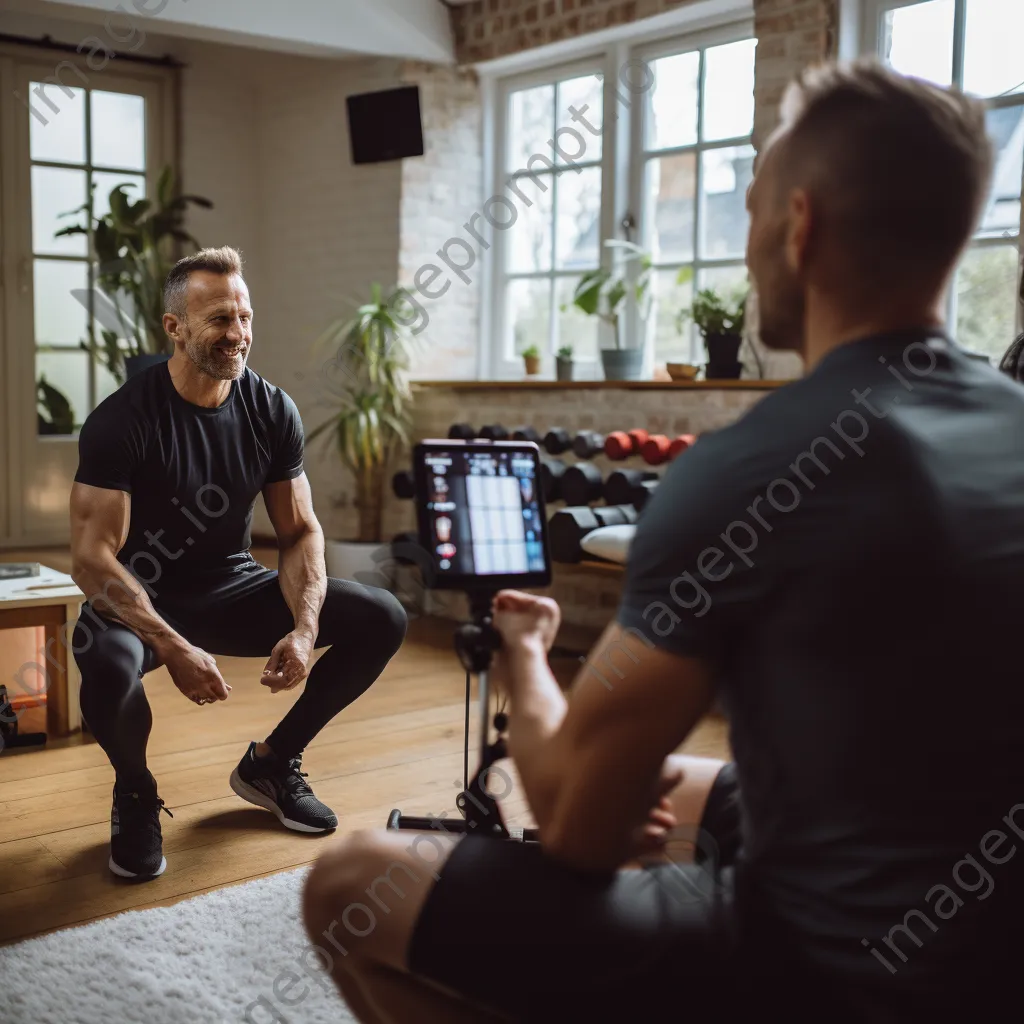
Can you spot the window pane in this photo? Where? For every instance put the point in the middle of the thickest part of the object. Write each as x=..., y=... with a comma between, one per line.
x=106, y=382
x=586, y=96
x=578, y=219
x=575, y=328
x=56, y=191
x=531, y=124
x=919, y=40
x=528, y=314
x=730, y=282
x=729, y=90
x=62, y=138
x=105, y=182
x=60, y=316
x=670, y=206
x=118, y=130
x=68, y=373
x=987, y=299
x=529, y=242
x=671, y=345
x=726, y=173
x=672, y=114
x=993, y=57
x=1002, y=212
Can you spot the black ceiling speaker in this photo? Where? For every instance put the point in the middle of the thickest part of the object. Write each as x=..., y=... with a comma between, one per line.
x=385, y=125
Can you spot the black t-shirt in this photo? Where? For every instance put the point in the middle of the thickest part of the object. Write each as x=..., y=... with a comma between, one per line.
x=850, y=557
x=193, y=473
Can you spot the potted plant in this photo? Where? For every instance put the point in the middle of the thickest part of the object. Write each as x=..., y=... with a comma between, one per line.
x=531, y=360
x=134, y=246
x=601, y=293
x=720, y=322
x=563, y=363
x=366, y=378
x=54, y=413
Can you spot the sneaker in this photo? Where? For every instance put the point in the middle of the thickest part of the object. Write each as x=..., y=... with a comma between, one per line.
x=136, y=841
x=281, y=787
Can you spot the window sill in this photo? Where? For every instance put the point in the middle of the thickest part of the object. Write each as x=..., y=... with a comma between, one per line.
x=622, y=385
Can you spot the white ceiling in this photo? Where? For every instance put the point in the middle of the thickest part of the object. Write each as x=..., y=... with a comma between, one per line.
x=413, y=29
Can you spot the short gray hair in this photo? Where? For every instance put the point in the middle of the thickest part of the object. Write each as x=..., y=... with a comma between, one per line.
x=224, y=260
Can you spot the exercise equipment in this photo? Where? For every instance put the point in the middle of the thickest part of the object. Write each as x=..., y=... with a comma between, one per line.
x=620, y=485
x=526, y=434
x=680, y=445
x=621, y=444
x=658, y=448
x=461, y=432
x=568, y=526
x=403, y=483
x=582, y=483
x=494, y=432
x=587, y=443
x=643, y=492
x=551, y=473
x=557, y=441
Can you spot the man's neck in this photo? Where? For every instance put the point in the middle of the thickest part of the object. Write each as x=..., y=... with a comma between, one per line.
x=828, y=326
x=195, y=386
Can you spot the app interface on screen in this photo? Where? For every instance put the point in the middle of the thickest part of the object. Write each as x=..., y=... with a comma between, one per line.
x=484, y=513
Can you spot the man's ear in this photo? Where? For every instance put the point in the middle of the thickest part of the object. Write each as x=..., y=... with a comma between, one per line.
x=798, y=234
x=172, y=326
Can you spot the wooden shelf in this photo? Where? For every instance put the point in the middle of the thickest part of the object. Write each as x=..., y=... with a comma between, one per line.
x=595, y=385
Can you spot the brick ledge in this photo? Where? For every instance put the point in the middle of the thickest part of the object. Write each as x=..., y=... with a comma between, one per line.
x=621, y=385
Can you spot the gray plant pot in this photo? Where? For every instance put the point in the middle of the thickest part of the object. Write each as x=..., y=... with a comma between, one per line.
x=136, y=364
x=622, y=363
x=563, y=369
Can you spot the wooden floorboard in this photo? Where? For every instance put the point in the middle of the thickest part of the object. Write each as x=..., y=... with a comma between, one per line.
x=399, y=745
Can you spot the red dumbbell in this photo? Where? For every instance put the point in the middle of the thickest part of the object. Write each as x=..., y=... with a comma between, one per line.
x=655, y=449
x=680, y=444
x=619, y=445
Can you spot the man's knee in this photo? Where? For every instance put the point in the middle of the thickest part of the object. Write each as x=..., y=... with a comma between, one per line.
x=339, y=878
x=376, y=614
x=394, y=622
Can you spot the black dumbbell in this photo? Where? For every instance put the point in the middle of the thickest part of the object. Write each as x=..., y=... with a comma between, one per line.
x=615, y=515
x=551, y=473
x=582, y=483
x=403, y=483
x=526, y=434
x=587, y=444
x=461, y=432
x=557, y=441
x=568, y=526
x=643, y=492
x=494, y=432
x=619, y=487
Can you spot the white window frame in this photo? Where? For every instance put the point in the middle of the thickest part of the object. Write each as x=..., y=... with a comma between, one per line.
x=698, y=24
x=872, y=14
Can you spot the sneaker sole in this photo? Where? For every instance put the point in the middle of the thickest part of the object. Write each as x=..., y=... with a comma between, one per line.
x=254, y=796
x=125, y=873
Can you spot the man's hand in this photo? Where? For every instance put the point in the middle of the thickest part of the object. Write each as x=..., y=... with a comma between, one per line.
x=195, y=673
x=525, y=620
x=288, y=660
x=652, y=836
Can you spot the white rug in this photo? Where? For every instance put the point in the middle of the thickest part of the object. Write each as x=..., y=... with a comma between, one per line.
x=213, y=959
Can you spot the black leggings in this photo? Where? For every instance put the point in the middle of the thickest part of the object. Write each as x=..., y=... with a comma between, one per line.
x=242, y=614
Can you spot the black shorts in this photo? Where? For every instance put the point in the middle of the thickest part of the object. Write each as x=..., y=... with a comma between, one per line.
x=514, y=931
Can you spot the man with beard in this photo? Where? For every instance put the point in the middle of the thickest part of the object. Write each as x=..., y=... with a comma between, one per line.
x=170, y=466
x=844, y=569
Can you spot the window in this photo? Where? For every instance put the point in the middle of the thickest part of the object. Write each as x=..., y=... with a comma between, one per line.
x=670, y=174
x=695, y=163
x=557, y=192
x=96, y=141
x=975, y=45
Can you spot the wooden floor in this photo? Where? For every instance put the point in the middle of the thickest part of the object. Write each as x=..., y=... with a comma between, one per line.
x=399, y=745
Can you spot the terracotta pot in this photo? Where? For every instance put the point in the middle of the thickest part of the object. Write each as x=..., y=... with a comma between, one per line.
x=532, y=365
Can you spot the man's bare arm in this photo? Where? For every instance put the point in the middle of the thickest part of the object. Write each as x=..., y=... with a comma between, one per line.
x=301, y=543
x=99, y=526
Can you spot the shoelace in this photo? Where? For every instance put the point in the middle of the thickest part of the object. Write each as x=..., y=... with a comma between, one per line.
x=294, y=778
x=157, y=803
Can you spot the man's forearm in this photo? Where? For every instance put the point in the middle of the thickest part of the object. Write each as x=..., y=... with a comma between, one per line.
x=112, y=590
x=304, y=580
x=535, y=716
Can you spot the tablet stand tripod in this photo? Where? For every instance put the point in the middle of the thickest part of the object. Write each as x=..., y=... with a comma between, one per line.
x=475, y=644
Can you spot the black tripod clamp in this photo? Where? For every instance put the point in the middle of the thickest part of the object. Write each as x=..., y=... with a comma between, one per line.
x=475, y=644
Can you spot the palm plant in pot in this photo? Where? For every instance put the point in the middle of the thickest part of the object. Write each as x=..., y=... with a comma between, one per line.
x=366, y=378
x=135, y=247
x=720, y=321
x=603, y=292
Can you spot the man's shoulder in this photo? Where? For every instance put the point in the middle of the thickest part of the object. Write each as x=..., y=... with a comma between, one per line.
x=262, y=392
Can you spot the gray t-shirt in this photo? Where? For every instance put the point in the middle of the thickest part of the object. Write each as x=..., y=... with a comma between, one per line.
x=850, y=558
